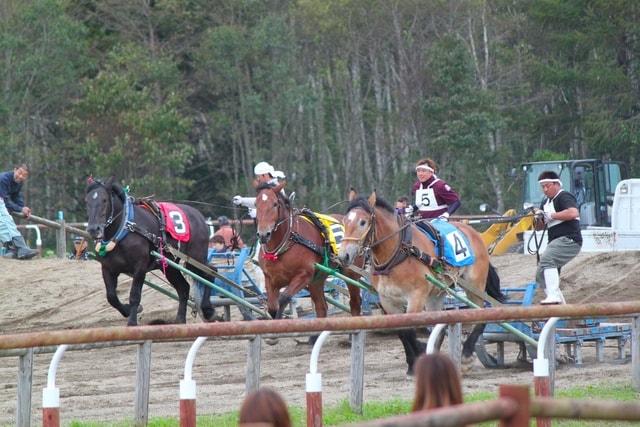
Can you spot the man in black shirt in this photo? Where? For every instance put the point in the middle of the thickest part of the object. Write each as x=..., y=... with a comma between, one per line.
x=559, y=212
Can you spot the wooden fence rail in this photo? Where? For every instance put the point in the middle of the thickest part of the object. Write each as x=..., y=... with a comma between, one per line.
x=247, y=330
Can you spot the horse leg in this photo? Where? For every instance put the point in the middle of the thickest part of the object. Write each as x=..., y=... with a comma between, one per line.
x=181, y=286
x=206, y=309
x=410, y=343
x=469, y=346
x=111, y=284
x=355, y=300
x=135, y=295
x=297, y=283
x=272, y=297
x=316, y=290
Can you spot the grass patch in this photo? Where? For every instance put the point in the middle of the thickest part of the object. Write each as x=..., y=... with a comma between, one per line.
x=341, y=413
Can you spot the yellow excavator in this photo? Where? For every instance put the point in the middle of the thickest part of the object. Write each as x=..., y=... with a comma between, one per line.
x=499, y=238
x=591, y=181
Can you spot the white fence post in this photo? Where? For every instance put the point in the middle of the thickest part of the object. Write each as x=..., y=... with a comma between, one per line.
x=314, y=385
x=51, y=394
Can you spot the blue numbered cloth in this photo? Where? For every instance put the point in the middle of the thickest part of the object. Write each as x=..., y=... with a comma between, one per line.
x=457, y=250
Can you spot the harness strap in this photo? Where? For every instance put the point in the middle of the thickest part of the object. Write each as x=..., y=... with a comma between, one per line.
x=308, y=213
x=435, y=234
x=406, y=249
x=400, y=255
x=297, y=238
x=127, y=221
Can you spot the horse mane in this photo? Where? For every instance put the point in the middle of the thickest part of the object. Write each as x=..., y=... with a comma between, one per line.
x=363, y=203
x=267, y=185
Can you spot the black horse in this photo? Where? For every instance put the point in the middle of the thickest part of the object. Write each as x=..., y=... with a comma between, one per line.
x=127, y=231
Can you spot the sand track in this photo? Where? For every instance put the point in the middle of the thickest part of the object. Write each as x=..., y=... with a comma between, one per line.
x=51, y=294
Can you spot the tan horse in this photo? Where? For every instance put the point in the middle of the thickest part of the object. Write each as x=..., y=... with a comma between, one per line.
x=290, y=246
x=402, y=256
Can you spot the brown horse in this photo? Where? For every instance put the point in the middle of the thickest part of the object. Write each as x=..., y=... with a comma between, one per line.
x=402, y=256
x=290, y=246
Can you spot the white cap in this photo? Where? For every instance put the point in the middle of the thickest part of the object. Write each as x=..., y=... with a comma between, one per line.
x=279, y=175
x=262, y=168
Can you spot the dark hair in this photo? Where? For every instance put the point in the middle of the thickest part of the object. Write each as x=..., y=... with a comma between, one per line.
x=264, y=406
x=403, y=199
x=22, y=166
x=548, y=175
x=217, y=239
x=223, y=220
x=429, y=162
x=437, y=382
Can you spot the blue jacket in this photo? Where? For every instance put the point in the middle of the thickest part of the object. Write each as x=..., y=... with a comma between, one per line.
x=10, y=192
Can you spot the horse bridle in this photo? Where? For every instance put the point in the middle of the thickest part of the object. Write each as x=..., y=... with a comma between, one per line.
x=369, y=236
x=281, y=246
x=111, y=217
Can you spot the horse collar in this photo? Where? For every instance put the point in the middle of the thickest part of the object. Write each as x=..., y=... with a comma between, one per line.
x=126, y=224
x=400, y=253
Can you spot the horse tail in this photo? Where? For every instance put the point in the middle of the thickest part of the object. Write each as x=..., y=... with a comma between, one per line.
x=493, y=284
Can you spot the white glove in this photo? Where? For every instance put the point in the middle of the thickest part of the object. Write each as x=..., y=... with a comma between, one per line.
x=253, y=212
x=249, y=202
x=444, y=217
x=544, y=216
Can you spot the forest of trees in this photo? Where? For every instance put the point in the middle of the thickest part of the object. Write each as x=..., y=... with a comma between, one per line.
x=180, y=98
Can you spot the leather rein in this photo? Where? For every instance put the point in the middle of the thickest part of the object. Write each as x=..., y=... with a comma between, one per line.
x=402, y=251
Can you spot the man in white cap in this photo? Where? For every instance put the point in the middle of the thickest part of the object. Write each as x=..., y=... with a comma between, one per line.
x=559, y=214
x=265, y=174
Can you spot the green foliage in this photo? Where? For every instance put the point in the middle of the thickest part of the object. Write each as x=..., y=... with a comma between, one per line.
x=180, y=98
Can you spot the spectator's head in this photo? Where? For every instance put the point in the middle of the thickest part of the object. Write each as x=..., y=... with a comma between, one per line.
x=223, y=220
x=402, y=202
x=264, y=406
x=20, y=173
x=425, y=168
x=218, y=243
x=437, y=382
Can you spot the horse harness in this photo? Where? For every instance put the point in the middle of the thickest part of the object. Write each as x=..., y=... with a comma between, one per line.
x=404, y=249
x=128, y=224
x=292, y=237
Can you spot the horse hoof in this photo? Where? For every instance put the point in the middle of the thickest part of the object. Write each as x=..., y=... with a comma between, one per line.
x=467, y=364
x=271, y=341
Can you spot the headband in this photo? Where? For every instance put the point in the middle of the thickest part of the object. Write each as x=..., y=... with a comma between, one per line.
x=549, y=180
x=426, y=167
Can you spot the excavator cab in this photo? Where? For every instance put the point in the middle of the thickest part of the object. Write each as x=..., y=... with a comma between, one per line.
x=591, y=181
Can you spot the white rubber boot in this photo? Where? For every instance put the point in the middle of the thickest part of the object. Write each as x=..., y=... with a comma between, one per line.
x=552, y=282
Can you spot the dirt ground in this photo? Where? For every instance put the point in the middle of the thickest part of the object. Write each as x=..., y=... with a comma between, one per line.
x=98, y=385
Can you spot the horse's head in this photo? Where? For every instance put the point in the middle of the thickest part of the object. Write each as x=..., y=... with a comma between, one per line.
x=358, y=224
x=99, y=206
x=272, y=209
